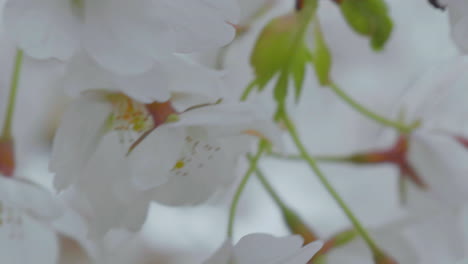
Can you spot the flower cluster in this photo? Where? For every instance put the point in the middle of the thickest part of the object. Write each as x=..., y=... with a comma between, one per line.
x=149, y=122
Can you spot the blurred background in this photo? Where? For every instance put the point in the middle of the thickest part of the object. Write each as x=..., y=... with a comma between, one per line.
x=421, y=39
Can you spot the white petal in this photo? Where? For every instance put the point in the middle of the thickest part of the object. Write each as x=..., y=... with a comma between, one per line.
x=25, y=240
x=222, y=255
x=148, y=87
x=29, y=198
x=209, y=165
x=430, y=97
x=151, y=161
x=304, y=254
x=44, y=29
x=84, y=74
x=97, y=191
x=439, y=160
x=460, y=33
x=82, y=126
x=233, y=119
x=457, y=10
x=124, y=36
x=197, y=25
x=438, y=239
x=197, y=79
x=229, y=9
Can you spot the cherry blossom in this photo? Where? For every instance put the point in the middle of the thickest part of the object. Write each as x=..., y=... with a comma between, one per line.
x=436, y=149
x=124, y=37
x=119, y=154
x=432, y=157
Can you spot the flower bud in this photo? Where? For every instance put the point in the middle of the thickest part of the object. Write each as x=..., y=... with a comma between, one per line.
x=338, y=240
x=382, y=258
x=297, y=226
x=7, y=157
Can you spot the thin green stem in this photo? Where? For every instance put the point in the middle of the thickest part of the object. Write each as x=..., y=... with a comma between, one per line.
x=248, y=90
x=6, y=132
x=264, y=181
x=295, y=157
x=242, y=185
x=313, y=165
x=403, y=128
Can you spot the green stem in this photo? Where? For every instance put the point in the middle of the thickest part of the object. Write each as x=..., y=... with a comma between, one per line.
x=248, y=90
x=270, y=190
x=6, y=132
x=242, y=185
x=293, y=157
x=368, y=113
x=313, y=165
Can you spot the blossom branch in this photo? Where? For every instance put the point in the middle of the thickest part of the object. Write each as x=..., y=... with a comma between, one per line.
x=328, y=81
x=6, y=132
x=242, y=185
x=401, y=127
x=296, y=157
x=378, y=254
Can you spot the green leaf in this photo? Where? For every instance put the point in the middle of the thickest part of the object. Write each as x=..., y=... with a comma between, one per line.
x=322, y=58
x=369, y=18
x=281, y=88
x=298, y=69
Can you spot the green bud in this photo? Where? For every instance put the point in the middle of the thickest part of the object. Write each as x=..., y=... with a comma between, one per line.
x=281, y=50
x=297, y=226
x=273, y=48
x=369, y=18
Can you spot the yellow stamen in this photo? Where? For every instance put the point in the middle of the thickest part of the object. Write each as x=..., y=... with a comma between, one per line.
x=179, y=165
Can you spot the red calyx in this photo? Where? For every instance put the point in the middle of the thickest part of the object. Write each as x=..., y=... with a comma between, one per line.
x=299, y=4
x=396, y=155
x=462, y=141
x=159, y=113
x=7, y=157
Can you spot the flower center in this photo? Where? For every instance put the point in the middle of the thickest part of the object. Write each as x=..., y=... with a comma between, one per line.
x=196, y=155
x=129, y=115
x=136, y=120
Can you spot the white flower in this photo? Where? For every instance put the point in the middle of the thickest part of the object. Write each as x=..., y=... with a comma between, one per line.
x=120, y=154
x=431, y=237
x=436, y=149
x=123, y=36
x=25, y=212
x=265, y=249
